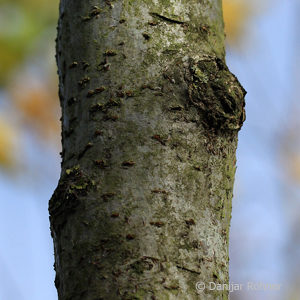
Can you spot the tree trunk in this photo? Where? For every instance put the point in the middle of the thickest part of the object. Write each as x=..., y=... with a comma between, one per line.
x=150, y=116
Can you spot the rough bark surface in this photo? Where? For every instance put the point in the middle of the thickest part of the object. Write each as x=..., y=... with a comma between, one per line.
x=150, y=116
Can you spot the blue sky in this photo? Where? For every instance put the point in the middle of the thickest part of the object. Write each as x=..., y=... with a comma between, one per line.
x=259, y=222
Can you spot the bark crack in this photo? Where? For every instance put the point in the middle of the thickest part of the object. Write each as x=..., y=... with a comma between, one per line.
x=188, y=270
x=166, y=19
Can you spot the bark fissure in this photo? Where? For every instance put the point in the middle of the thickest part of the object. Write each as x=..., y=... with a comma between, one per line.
x=166, y=19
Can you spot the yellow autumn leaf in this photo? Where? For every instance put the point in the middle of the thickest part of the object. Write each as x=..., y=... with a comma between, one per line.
x=39, y=107
x=236, y=14
x=8, y=144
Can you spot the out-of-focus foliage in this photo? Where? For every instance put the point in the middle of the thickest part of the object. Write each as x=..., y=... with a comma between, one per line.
x=21, y=23
x=27, y=77
x=236, y=14
x=290, y=149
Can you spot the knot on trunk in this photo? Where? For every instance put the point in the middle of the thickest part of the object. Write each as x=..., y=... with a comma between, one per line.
x=216, y=93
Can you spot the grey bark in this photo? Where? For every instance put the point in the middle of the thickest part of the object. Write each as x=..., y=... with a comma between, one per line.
x=150, y=116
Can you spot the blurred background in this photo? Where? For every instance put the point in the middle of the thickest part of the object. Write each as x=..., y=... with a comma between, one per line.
x=263, y=50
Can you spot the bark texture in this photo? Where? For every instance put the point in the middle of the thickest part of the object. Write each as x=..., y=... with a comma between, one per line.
x=150, y=116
